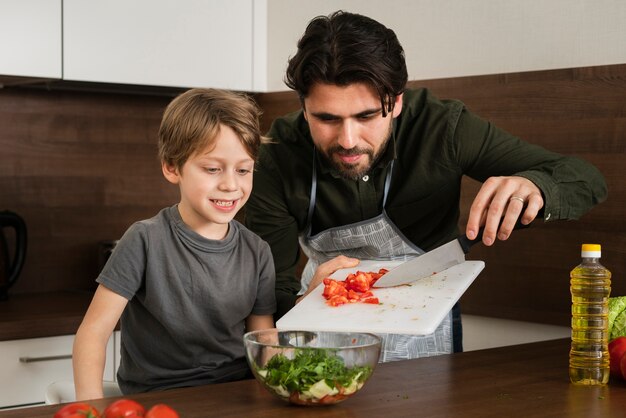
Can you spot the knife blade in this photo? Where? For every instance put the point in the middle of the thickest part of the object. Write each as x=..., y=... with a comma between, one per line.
x=427, y=264
x=432, y=262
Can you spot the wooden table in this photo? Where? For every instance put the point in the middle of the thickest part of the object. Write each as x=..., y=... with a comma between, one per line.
x=529, y=380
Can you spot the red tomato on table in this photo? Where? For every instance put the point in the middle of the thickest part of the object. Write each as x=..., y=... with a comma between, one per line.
x=124, y=408
x=161, y=411
x=77, y=410
x=617, y=349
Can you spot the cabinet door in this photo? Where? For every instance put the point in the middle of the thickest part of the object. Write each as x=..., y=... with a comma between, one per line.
x=185, y=43
x=29, y=366
x=30, y=38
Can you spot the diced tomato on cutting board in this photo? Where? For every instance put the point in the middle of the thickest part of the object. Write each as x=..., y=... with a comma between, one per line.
x=355, y=288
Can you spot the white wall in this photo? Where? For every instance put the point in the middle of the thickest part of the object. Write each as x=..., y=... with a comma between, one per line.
x=451, y=38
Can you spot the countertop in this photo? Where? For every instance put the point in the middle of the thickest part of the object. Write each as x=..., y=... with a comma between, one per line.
x=36, y=315
x=529, y=380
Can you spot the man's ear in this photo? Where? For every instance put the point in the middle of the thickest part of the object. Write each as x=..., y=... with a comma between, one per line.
x=397, y=106
x=304, y=113
x=170, y=172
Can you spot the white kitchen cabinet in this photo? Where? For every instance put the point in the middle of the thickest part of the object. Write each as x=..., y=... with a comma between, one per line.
x=187, y=43
x=31, y=38
x=29, y=366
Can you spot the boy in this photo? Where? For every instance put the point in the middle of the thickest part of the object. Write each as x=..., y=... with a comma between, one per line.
x=190, y=281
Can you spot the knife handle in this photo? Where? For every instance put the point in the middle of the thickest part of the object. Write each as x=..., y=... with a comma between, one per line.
x=467, y=243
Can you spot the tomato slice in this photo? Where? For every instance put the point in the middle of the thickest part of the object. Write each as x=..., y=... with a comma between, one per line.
x=334, y=288
x=359, y=282
x=337, y=300
x=331, y=399
x=353, y=296
x=355, y=288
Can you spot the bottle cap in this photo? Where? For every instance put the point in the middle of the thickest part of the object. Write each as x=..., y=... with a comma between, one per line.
x=591, y=251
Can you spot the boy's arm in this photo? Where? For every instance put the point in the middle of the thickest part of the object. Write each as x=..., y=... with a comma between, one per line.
x=255, y=322
x=89, y=350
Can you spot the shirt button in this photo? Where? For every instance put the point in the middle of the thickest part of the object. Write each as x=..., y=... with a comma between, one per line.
x=548, y=216
x=365, y=178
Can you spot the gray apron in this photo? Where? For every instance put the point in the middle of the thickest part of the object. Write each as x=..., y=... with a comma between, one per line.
x=373, y=239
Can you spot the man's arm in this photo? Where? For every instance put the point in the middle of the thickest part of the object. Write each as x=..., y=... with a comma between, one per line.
x=521, y=180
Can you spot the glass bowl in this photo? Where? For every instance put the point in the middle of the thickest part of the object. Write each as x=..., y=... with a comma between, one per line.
x=312, y=367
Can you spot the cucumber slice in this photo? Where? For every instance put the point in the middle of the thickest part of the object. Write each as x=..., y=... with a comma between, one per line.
x=321, y=389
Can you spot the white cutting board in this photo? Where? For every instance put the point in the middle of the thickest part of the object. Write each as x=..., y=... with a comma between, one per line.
x=417, y=308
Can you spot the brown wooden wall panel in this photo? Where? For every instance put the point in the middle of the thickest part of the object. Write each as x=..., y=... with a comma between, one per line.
x=580, y=112
x=79, y=168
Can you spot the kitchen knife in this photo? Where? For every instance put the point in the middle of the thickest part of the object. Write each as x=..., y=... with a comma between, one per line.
x=432, y=262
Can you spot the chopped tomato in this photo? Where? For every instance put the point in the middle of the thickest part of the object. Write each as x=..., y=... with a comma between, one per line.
x=359, y=281
x=376, y=276
x=334, y=288
x=355, y=288
x=331, y=399
x=337, y=300
x=353, y=296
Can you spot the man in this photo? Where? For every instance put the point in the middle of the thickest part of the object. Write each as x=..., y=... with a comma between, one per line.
x=370, y=169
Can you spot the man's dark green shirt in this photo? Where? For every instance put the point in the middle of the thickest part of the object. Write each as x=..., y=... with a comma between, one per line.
x=436, y=143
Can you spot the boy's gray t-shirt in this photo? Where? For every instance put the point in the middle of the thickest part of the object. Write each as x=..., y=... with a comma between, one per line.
x=188, y=297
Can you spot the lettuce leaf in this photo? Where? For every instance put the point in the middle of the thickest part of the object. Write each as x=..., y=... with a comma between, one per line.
x=308, y=367
x=617, y=317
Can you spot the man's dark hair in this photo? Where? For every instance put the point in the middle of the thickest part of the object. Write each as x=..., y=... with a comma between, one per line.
x=345, y=48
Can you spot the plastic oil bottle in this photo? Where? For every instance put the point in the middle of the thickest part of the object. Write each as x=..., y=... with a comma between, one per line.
x=590, y=285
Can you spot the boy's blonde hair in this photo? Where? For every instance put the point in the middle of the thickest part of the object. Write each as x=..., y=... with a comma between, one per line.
x=192, y=121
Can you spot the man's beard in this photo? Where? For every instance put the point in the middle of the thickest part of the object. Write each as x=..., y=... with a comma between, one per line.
x=353, y=171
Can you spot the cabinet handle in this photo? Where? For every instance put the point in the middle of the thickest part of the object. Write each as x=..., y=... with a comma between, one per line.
x=45, y=358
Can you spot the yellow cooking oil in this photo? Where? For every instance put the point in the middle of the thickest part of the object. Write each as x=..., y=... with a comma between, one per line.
x=590, y=286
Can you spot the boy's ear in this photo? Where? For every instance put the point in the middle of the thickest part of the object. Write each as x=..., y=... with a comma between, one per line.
x=170, y=172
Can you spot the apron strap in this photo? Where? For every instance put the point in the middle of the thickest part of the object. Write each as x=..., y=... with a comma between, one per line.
x=309, y=216
x=387, y=182
x=312, y=200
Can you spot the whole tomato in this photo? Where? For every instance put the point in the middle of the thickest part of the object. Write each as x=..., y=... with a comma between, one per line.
x=161, y=411
x=77, y=410
x=622, y=365
x=124, y=408
x=617, y=349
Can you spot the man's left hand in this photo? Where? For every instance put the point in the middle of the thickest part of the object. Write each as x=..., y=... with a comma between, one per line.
x=500, y=202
